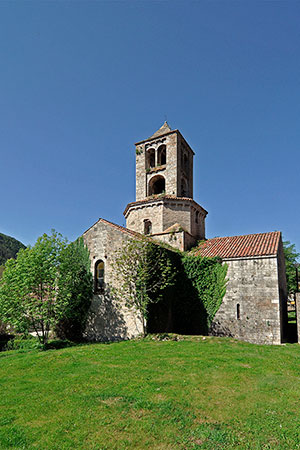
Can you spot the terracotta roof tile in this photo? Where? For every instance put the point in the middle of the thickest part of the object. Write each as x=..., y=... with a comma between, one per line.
x=261, y=244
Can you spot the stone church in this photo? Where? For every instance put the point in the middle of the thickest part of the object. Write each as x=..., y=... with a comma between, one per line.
x=254, y=306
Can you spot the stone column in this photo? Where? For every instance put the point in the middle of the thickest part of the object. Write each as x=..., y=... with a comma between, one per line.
x=298, y=314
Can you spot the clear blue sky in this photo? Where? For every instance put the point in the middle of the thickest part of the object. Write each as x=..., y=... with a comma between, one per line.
x=81, y=81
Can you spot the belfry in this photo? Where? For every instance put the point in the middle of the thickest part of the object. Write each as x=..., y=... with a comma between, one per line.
x=164, y=206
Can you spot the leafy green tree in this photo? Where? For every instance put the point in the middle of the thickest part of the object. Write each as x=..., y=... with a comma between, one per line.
x=291, y=258
x=143, y=271
x=75, y=283
x=36, y=289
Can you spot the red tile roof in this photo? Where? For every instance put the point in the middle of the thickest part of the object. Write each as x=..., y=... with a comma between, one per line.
x=261, y=244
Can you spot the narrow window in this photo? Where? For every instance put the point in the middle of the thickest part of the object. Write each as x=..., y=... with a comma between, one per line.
x=197, y=217
x=99, y=276
x=238, y=315
x=147, y=226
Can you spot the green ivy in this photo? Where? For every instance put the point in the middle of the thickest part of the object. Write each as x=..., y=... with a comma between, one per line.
x=195, y=296
x=208, y=277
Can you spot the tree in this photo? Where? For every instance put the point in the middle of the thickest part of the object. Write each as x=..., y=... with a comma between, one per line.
x=75, y=282
x=36, y=289
x=143, y=271
x=291, y=258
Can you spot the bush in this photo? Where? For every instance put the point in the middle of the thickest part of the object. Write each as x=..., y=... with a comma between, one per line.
x=57, y=344
x=23, y=342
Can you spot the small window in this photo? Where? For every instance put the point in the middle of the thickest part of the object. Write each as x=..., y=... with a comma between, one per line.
x=238, y=313
x=197, y=217
x=147, y=227
x=99, y=276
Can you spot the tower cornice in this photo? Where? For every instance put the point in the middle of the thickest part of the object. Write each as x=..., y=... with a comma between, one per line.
x=164, y=199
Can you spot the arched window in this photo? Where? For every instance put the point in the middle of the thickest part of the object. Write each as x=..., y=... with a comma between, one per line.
x=157, y=185
x=150, y=158
x=99, y=276
x=161, y=155
x=147, y=226
x=238, y=312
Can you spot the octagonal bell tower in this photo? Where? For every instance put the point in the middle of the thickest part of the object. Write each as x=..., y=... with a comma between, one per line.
x=164, y=206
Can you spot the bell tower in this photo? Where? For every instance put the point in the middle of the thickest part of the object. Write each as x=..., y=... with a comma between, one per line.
x=164, y=190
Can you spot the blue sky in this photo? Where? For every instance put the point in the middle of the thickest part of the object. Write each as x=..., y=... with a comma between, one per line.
x=82, y=81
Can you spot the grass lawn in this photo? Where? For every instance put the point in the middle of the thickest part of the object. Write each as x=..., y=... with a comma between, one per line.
x=198, y=393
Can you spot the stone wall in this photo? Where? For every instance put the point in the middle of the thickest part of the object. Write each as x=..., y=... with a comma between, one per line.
x=185, y=172
x=178, y=239
x=250, y=310
x=164, y=212
x=108, y=319
x=138, y=213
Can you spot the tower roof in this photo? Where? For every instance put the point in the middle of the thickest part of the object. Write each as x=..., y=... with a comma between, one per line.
x=165, y=128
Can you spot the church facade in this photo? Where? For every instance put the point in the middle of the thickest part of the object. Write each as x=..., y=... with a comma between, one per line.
x=254, y=306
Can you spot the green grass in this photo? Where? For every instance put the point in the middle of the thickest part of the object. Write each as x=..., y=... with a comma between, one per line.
x=198, y=393
x=292, y=316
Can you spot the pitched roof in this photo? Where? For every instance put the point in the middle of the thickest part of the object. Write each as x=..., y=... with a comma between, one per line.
x=261, y=244
x=165, y=128
x=117, y=227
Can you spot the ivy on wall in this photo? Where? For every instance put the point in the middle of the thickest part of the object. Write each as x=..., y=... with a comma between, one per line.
x=189, y=305
x=208, y=277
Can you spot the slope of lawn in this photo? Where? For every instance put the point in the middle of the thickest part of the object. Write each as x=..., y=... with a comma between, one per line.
x=197, y=393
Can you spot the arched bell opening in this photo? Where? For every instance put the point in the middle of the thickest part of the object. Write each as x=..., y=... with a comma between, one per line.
x=150, y=158
x=157, y=185
x=161, y=155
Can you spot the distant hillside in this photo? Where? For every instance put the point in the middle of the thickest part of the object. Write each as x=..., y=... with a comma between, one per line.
x=9, y=247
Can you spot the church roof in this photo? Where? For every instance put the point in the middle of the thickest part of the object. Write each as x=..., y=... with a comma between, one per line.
x=261, y=244
x=117, y=227
x=165, y=128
